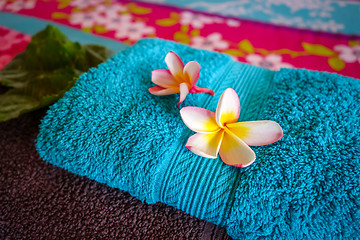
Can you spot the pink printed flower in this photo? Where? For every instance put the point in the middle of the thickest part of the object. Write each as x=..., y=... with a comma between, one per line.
x=271, y=61
x=211, y=42
x=2, y=4
x=349, y=54
x=115, y=22
x=134, y=31
x=4, y=59
x=12, y=38
x=111, y=11
x=232, y=23
x=86, y=19
x=178, y=79
x=18, y=5
x=220, y=132
x=85, y=3
x=106, y=15
x=197, y=20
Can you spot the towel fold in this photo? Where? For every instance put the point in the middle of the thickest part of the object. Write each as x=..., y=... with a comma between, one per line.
x=109, y=128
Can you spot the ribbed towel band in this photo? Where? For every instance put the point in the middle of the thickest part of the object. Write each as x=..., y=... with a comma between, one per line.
x=200, y=189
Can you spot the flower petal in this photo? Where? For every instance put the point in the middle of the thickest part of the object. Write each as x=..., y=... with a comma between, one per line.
x=343, y=48
x=184, y=91
x=273, y=58
x=234, y=152
x=228, y=108
x=257, y=133
x=196, y=89
x=163, y=78
x=199, y=119
x=192, y=72
x=174, y=64
x=348, y=57
x=160, y=91
x=254, y=59
x=356, y=48
x=205, y=144
x=214, y=36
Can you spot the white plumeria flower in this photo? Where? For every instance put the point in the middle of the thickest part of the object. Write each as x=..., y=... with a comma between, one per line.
x=211, y=42
x=85, y=3
x=220, y=132
x=271, y=61
x=86, y=19
x=134, y=31
x=18, y=5
x=349, y=54
x=197, y=20
x=179, y=78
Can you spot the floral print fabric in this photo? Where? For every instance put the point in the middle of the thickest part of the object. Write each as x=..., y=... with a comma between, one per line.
x=11, y=43
x=255, y=43
x=323, y=15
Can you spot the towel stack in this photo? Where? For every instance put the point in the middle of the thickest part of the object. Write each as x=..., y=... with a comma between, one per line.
x=109, y=128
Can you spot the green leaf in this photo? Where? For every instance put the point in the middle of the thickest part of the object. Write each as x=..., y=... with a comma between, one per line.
x=246, y=46
x=16, y=63
x=195, y=32
x=175, y=15
x=13, y=78
x=77, y=9
x=11, y=105
x=63, y=4
x=41, y=74
x=353, y=43
x=185, y=28
x=336, y=63
x=182, y=37
x=59, y=15
x=100, y=29
x=138, y=10
x=234, y=52
x=87, y=29
x=167, y=22
x=317, y=49
x=96, y=54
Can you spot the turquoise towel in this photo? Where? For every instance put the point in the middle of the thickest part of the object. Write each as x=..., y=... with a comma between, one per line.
x=109, y=128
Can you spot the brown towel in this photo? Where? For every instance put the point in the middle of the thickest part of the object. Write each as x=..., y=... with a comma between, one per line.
x=41, y=201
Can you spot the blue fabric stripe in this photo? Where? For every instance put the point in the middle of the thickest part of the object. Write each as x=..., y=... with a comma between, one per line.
x=30, y=25
x=321, y=15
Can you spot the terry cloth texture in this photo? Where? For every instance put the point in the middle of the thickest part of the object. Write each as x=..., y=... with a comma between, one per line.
x=41, y=201
x=109, y=128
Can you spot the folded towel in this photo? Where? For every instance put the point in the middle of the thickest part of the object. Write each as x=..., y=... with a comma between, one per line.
x=109, y=128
